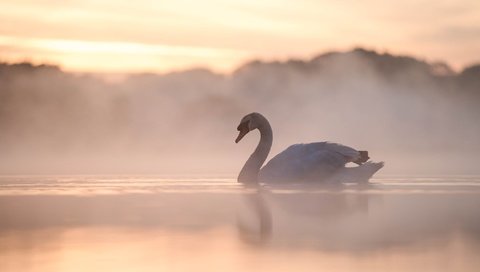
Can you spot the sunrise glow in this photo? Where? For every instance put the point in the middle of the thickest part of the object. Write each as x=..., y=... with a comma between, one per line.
x=122, y=36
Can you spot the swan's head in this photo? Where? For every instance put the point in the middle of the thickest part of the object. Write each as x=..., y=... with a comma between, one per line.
x=248, y=123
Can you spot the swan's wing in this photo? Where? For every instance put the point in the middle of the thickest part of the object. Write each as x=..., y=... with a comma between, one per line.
x=349, y=153
x=308, y=161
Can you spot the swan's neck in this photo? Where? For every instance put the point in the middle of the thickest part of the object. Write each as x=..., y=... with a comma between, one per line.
x=249, y=172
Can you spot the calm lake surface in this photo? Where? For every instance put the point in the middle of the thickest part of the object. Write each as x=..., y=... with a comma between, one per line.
x=148, y=223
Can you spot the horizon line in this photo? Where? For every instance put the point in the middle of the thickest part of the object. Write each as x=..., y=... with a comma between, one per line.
x=245, y=62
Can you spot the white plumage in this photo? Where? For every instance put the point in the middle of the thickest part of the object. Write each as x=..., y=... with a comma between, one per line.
x=307, y=162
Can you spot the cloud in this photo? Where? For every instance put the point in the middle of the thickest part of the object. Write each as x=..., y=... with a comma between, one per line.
x=267, y=30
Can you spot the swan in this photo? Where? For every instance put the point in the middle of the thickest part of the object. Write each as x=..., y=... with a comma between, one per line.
x=312, y=162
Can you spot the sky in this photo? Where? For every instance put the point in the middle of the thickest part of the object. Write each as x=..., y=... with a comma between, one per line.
x=160, y=36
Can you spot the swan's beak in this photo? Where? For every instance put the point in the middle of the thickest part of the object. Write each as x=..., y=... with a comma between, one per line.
x=243, y=130
x=240, y=136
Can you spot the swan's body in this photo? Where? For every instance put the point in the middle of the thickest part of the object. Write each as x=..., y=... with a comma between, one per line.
x=313, y=162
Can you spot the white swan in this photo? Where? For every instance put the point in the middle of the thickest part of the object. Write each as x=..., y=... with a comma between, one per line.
x=313, y=162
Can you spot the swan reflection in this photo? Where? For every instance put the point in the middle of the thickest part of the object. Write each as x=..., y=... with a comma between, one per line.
x=287, y=211
x=218, y=223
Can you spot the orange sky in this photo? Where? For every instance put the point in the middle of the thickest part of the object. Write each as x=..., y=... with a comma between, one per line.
x=158, y=36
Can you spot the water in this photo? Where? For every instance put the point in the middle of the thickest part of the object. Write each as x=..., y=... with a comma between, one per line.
x=148, y=223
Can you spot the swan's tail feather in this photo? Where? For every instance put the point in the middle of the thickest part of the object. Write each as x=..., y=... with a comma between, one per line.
x=363, y=157
x=359, y=174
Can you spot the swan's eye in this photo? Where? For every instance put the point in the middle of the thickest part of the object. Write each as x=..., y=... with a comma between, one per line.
x=243, y=126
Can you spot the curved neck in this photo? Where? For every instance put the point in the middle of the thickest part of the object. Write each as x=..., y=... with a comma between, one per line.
x=249, y=172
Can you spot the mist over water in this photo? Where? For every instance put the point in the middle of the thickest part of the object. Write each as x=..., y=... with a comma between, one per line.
x=419, y=118
x=148, y=223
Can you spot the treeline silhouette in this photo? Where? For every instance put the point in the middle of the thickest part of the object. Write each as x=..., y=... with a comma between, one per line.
x=394, y=105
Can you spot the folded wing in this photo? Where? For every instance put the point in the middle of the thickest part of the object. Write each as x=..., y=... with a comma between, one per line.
x=308, y=162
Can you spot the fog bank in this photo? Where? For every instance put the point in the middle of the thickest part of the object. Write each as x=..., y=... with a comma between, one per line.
x=418, y=117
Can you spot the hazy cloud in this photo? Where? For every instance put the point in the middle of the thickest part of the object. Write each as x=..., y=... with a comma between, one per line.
x=267, y=30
